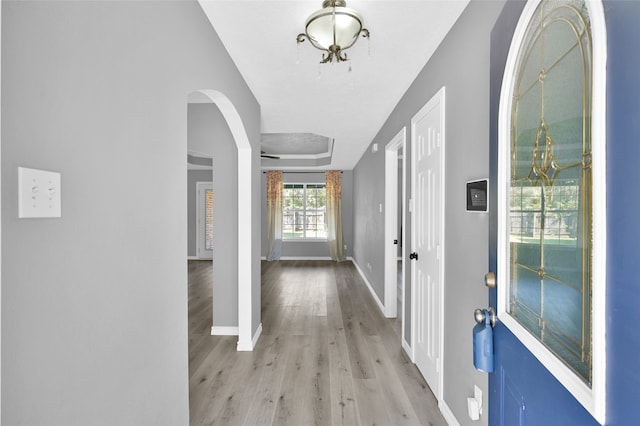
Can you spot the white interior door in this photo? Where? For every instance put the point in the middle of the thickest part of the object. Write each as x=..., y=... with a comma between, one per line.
x=427, y=227
x=205, y=220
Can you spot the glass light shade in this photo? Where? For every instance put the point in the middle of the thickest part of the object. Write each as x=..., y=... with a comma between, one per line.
x=319, y=27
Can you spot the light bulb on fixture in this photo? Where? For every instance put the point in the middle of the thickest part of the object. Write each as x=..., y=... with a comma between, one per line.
x=333, y=29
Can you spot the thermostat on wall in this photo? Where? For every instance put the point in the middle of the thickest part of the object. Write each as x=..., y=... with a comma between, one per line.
x=478, y=195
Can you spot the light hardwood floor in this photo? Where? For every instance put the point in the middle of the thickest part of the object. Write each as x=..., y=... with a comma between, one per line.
x=326, y=356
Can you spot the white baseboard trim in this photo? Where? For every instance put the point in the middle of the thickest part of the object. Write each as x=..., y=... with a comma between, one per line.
x=198, y=258
x=407, y=349
x=373, y=293
x=257, y=335
x=224, y=331
x=242, y=347
x=448, y=414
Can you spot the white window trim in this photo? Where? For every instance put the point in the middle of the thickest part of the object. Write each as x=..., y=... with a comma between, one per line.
x=594, y=398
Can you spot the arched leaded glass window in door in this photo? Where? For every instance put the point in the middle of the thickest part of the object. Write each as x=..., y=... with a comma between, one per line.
x=550, y=194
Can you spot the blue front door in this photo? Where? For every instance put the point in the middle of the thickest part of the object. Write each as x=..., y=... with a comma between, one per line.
x=551, y=274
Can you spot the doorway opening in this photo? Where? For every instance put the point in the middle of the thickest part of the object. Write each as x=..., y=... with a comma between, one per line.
x=395, y=197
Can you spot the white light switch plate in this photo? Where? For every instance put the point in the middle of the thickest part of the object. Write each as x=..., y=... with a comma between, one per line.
x=38, y=193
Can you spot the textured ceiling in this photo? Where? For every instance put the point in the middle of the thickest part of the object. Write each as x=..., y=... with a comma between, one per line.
x=328, y=100
x=296, y=144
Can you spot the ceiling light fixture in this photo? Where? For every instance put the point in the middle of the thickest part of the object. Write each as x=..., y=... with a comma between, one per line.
x=333, y=29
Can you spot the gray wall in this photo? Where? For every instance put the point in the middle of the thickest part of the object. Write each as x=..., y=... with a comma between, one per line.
x=94, y=304
x=461, y=63
x=368, y=222
x=208, y=133
x=193, y=177
x=313, y=249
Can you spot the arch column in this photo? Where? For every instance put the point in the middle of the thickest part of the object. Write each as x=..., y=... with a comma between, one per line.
x=245, y=287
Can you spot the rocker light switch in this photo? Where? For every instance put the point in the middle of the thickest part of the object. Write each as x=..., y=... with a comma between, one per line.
x=38, y=193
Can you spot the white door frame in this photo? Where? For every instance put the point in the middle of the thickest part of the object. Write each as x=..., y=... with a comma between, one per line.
x=0, y=220
x=438, y=98
x=201, y=219
x=391, y=225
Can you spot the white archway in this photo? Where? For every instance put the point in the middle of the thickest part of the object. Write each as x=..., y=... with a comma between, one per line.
x=231, y=116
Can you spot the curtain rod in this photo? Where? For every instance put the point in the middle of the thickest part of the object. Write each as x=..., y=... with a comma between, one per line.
x=291, y=171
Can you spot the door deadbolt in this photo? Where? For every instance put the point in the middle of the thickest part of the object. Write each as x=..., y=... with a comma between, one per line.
x=413, y=256
x=490, y=280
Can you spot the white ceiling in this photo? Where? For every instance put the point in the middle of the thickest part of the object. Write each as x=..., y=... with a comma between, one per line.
x=328, y=100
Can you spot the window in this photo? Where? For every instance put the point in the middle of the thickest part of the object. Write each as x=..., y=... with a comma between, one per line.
x=304, y=211
x=552, y=194
x=550, y=191
x=208, y=225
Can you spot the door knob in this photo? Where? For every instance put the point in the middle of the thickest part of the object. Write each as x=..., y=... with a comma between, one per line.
x=483, y=339
x=413, y=256
x=480, y=316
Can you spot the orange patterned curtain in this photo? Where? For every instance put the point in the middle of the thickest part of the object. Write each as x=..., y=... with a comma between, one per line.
x=274, y=214
x=334, y=214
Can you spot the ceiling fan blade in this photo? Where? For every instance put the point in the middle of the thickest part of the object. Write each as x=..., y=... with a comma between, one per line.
x=272, y=157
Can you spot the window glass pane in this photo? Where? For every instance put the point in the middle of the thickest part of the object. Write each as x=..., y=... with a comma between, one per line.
x=304, y=211
x=550, y=194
